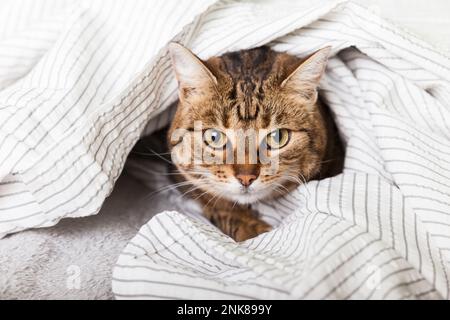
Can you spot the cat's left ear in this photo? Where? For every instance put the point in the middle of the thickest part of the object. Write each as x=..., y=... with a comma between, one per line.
x=305, y=78
x=191, y=72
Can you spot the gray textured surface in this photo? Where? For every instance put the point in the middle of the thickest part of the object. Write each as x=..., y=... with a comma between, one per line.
x=41, y=263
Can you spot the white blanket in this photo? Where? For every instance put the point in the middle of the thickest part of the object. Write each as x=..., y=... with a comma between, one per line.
x=379, y=230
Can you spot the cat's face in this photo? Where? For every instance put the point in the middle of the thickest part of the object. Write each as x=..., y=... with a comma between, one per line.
x=247, y=126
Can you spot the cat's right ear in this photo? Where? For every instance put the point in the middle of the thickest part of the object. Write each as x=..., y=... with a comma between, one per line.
x=192, y=74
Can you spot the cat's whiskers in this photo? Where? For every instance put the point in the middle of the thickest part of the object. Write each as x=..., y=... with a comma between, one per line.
x=177, y=173
x=194, y=188
x=173, y=187
x=221, y=194
x=159, y=156
x=173, y=173
x=281, y=186
x=277, y=189
x=215, y=196
x=299, y=180
x=294, y=179
x=327, y=161
x=201, y=195
x=234, y=204
x=150, y=154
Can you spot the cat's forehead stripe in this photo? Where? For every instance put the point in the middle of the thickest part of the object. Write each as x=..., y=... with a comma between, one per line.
x=248, y=69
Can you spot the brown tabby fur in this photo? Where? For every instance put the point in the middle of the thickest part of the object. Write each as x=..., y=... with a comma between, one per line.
x=256, y=88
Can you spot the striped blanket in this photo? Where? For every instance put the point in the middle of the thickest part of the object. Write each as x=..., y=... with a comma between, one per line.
x=84, y=80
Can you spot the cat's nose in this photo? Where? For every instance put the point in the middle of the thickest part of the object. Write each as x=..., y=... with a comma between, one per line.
x=246, y=173
x=246, y=179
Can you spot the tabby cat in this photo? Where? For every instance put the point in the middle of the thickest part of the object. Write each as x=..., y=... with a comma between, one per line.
x=271, y=93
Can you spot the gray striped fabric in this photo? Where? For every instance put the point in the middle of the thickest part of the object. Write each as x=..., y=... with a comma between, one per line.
x=80, y=81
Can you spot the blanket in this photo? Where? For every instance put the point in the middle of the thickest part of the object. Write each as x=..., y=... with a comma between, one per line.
x=76, y=98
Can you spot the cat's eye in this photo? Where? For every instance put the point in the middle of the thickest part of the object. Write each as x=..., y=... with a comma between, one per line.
x=215, y=138
x=277, y=139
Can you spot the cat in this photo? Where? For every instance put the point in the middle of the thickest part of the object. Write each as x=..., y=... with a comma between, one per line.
x=264, y=90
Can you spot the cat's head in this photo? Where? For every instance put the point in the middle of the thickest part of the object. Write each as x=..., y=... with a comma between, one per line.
x=248, y=125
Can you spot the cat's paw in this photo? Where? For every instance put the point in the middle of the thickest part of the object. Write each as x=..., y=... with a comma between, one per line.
x=246, y=232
